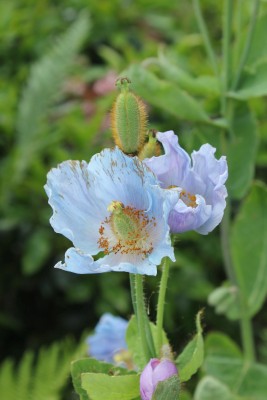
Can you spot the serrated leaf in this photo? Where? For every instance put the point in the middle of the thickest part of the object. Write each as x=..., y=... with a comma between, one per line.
x=249, y=247
x=241, y=151
x=42, y=89
x=191, y=358
x=166, y=95
x=168, y=389
x=108, y=387
x=134, y=342
x=210, y=388
x=29, y=380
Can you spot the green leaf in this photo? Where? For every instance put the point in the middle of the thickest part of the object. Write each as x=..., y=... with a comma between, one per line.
x=258, y=49
x=225, y=300
x=134, y=342
x=166, y=95
x=168, y=389
x=243, y=379
x=241, y=151
x=217, y=343
x=191, y=358
x=39, y=376
x=201, y=85
x=225, y=363
x=94, y=366
x=253, y=84
x=249, y=247
x=210, y=388
x=108, y=387
x=36, y=251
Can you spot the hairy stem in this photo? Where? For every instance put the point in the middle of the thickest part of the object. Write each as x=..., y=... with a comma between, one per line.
x=142, y=320
x=133, y=292
x=161, y=302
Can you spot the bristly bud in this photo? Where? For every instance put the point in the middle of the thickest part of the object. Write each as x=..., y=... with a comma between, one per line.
x=151, y=148
x=128, y=119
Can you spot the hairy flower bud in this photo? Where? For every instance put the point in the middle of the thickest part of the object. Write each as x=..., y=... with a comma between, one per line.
x=128, y=119
x=155, y=371
x=151, y=148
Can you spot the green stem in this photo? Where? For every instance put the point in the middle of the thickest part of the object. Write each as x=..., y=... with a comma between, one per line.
x=204, y=31
x=227, y=24
x=133, y=292
x=245, y=53
x=161, y=302
x=235, y=275
x=142, y=320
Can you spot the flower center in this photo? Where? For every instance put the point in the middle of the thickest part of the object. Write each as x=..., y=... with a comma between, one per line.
x=188, y=198
x=129, y=231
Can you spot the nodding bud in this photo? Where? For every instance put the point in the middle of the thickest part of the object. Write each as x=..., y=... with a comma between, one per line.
x=157, y=371
x=128, y=119
x=151, y=147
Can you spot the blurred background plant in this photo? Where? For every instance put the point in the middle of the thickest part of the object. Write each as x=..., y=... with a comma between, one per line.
x=59, y=63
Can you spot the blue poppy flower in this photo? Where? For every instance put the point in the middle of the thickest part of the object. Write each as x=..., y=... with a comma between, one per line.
x=108, y=339
x=112, y=206
x=200, y=184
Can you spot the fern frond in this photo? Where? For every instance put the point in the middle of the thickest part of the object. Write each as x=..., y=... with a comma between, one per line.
x=41, y=376
x=42, y=89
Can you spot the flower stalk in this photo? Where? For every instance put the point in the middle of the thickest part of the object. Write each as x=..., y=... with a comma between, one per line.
x=161, y=302
x=142, y=318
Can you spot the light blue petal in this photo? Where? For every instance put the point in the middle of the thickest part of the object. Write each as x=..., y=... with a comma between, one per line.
x=76, y=214
x=171, y=167
x=80, y=195
x=80, y=263
x=120, y=177
x=127, y=263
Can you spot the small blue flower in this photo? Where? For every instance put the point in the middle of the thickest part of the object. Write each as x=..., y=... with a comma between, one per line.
x=200, y=184
x=113, y=205
x=109, y=338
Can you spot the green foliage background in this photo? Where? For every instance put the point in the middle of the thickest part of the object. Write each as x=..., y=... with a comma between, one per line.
x=58, y=65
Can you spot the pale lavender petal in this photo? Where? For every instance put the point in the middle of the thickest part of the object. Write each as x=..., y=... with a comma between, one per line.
x=154, y=372
x=164, y=370
x=183, y=218
x=203, y=180
x=171, y=167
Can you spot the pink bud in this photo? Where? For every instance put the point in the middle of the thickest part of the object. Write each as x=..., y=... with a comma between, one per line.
x=155, y=372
